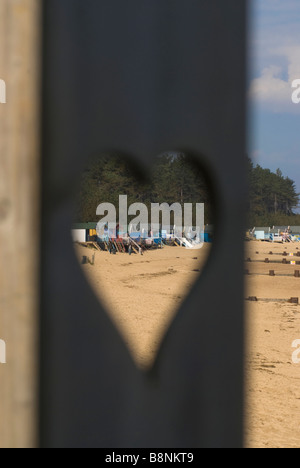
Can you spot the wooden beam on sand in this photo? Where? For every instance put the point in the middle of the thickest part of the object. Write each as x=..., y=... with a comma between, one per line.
x=292, y=300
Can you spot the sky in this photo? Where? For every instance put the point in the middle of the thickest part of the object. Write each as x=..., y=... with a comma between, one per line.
x=274, y=63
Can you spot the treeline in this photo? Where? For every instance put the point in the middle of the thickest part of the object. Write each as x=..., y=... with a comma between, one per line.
x=272, y=198
x=176, y=178
x=173, y=179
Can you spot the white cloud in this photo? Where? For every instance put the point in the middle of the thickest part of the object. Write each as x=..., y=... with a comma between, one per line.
x=274, y=50
x=273, y=88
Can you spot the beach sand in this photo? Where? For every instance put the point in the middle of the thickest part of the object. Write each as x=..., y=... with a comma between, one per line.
x=148, y=292
x=272, y=380
x=161, y=278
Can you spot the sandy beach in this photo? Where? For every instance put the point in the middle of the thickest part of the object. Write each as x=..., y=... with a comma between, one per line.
x=149, y=291
x=161, y=278
x=272, y=380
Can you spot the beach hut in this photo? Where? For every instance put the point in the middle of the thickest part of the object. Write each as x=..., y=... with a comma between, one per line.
x=262, y=233
x=84, y=232
x=295, y=230
x=208, y=234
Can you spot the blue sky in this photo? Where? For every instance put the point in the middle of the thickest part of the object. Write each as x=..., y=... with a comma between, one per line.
x=274, y=63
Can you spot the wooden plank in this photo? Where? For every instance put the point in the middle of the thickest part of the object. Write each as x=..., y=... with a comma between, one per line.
x=160, y=97
x=19, y=182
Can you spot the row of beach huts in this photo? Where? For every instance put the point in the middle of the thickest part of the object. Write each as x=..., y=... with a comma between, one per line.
x=124, y=242
x=280, y=234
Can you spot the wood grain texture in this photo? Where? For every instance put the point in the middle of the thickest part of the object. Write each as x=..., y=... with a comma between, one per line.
x=19, y=225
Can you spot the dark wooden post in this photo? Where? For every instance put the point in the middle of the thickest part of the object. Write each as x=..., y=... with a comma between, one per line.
x=140, y=78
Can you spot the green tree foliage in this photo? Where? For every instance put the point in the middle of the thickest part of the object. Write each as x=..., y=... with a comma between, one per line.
x=272, y=199
x=174, y=178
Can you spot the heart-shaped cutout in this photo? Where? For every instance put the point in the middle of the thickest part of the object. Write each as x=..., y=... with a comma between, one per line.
x=141, y=269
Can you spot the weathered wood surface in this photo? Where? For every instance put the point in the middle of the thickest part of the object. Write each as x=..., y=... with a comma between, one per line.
x=19, y=187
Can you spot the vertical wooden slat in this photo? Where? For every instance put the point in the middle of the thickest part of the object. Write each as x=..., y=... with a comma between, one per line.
x=141, y=78
x=19, y=188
